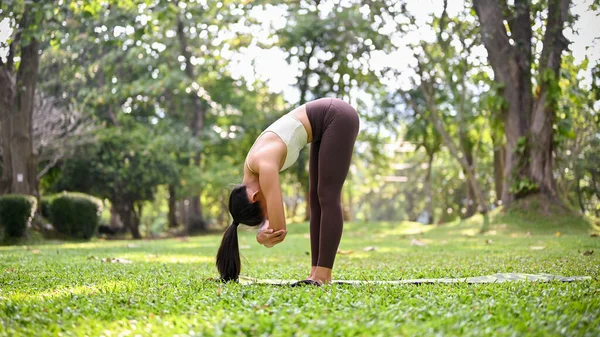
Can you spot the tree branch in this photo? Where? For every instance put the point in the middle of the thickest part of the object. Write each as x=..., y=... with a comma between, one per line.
x=434, y=118
x=554, y=40
x=12, y=49
x=520, y=27
x=49, y=166
x=494, y=35
x=443, y=19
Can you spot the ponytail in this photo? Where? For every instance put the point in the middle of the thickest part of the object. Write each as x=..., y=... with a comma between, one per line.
x=243, y=211
x=228, y=256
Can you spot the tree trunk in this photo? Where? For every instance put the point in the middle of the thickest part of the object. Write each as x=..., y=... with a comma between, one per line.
x=429, y=189
x=24, y=163
x=303, y=179
x=302, y=173
x=499, y=155
x=410, y=207
x=128, y=217
x=578, y=189
x=350, y=201
x=541, y=141
x=182, y=211
x=16, y=112
x=528, y=129
x=307, y=206
x=6, y=110
x=346, y=206
x=195, y=223
x=471, y=201
x=137, y=219
x=114, y=221
x=172, y=207
x=512, y=68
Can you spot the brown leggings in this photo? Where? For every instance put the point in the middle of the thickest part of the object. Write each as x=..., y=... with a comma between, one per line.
x=334, y=126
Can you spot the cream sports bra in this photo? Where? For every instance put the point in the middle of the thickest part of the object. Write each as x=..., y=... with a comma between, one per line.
x=292, y=133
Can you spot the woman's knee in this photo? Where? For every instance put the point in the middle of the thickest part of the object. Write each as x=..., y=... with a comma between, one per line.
x=328, y=197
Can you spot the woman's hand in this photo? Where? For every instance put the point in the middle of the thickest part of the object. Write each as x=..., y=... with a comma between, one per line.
x=269, y=238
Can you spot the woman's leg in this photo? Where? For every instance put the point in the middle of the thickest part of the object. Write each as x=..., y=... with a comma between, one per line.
x=315, y=207
x=335, y=154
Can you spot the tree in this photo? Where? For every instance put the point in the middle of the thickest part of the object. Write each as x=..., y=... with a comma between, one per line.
x=443, y=88
x=124, y=165
x=576, y=140
x=530, y=114
x=423, y=134
x=57, y=131
x=17, y=90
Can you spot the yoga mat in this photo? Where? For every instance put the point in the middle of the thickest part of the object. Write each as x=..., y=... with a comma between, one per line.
x=495, y=278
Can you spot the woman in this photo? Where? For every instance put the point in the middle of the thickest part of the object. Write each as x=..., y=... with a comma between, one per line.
x=331, y=125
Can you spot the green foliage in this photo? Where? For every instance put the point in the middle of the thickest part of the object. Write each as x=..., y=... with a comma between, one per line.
x=44, y=206
x=521, y=147
x=125, y=165
x=576, y=143
x=75, y=215
x=523, y=186
x=122, y=63
x=551, y=81
x=16, y=212
x=423, y=134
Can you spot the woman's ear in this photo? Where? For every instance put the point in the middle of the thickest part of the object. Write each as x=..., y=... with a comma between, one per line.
x=254, y=196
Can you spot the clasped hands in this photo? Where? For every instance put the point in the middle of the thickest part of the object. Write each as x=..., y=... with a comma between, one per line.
x=269, y=238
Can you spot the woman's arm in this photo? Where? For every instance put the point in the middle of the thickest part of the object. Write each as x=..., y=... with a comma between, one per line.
x=267, y=237
x=271, y=189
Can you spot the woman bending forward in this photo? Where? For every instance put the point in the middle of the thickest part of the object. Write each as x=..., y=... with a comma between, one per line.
x=331, y=125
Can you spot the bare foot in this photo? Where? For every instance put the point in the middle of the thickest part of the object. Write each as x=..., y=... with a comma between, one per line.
x=321, y=275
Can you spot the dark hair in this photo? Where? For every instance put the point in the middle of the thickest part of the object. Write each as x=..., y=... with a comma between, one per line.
x=243, y=212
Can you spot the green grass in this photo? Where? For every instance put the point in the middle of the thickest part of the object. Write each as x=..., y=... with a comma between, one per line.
x=66, y=289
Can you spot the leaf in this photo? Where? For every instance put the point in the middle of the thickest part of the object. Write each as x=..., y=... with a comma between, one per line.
x=369, y=249
x=557, y=234
x=586, y=252
x=537, y=247
x=345, y=252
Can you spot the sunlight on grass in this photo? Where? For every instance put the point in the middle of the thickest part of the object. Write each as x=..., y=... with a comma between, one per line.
x=71, y=292
x=171, y=258
x=66, y=289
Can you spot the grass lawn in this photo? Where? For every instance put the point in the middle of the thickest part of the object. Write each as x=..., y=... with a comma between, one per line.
x=66, y=289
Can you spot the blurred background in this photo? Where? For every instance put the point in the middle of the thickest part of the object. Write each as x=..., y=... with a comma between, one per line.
x=144, y=110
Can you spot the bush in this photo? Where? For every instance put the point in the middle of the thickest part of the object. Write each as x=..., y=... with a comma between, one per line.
x=76, y=215
x=16, y=212
x=44, y=206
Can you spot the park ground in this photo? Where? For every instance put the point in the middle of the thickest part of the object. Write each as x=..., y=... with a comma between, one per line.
x=164, y=287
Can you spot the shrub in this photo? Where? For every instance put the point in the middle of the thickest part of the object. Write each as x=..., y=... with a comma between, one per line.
x=76, y=215
x=44, y=206
x=16, y=212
